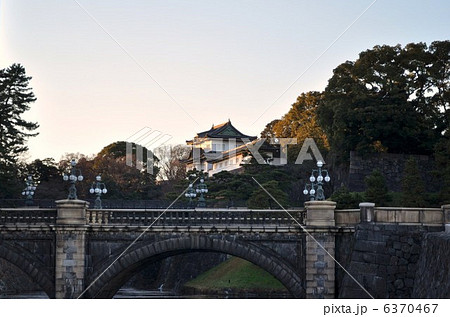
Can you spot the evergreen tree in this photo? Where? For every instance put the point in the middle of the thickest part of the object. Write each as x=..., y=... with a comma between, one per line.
x=300, y=122
x=123, y=181
x=391, y=99
x=442, y=172
x=261, y=200
x=346, y=199
x=15, y=98
x=377, y=191
x=413, y=187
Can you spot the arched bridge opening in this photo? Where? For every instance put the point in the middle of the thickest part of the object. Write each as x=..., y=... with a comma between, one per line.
x=31, y=269
x=109, y=276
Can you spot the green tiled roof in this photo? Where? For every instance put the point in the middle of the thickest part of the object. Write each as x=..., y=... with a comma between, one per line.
x=224, y=131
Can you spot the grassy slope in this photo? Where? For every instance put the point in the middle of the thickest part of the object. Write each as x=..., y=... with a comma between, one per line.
x=236, y=273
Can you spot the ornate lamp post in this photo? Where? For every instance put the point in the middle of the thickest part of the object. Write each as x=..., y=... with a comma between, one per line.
x=29, y=190
x=314, y=189
x=190, y=193
x=75, y=175
x=98, y=188
x=201, y=189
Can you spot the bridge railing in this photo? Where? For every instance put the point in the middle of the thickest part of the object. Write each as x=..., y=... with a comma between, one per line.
x=410, y=215
x=193, y=217
x=397, y=215
x=27, y=215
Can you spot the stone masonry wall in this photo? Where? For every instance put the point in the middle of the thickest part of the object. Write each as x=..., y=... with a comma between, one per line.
x=391, y=166
x=344, y=247
x=14, y=281
x=384, y=260
x=320, y=267
x=433, y=270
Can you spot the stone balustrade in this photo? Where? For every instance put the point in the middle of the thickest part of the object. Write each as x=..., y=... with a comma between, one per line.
x=27, y=216
x=204, y=216
x=193, y=217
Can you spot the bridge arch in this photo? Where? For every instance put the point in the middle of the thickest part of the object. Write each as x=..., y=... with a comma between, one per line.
x=31, y=267
x=120, y=271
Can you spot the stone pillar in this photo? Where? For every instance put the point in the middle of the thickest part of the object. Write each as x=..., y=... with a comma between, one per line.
x=367, y=212
x=320, y=213
x=320, y=249
x=446, y=211
x=70, y=248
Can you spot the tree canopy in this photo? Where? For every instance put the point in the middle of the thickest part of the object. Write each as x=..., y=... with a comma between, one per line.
x=413, y=187
x=15, y=98
x=391, y=99
x=301, y=121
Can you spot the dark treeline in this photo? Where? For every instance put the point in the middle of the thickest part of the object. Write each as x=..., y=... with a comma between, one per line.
x=392, y=99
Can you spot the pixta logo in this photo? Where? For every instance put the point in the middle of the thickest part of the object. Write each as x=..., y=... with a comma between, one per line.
x=255, y=147
x=138, y=147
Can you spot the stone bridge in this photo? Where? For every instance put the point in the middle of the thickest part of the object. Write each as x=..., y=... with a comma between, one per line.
x=73, y=251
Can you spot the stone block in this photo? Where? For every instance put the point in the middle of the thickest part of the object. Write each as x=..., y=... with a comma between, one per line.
x=382, y=259
x=402, y=268
x=403, y=261
x=320, y=264
x=372, y=246
x=399, y=284
x=69, y=263
x=311, y=270
x=430, y=216
x=369, y=257
x=329, y=284
x=393, y=260
x=364, y=268
x=409, y=282
x=331, y=264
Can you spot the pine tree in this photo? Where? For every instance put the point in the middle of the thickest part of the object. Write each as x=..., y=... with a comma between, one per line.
x=261, y=200
x=442, y=171
x=377, y=191
x=413, y=188
x=15, y=98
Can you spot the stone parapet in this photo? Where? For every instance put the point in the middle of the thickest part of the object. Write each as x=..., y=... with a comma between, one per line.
x=409, y=216
x=347, y=217
x=446, y=212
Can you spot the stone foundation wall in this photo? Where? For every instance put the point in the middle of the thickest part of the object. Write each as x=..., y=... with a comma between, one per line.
x=344, y=247
x=384, y=260
x=391, y=166
x=433, y=270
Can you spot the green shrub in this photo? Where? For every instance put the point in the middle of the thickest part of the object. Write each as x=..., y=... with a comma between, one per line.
x=346, y=199
x=377, y=191
x=261, y=200
x=413, y=187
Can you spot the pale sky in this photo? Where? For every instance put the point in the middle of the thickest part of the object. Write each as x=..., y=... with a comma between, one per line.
x=217, y=59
